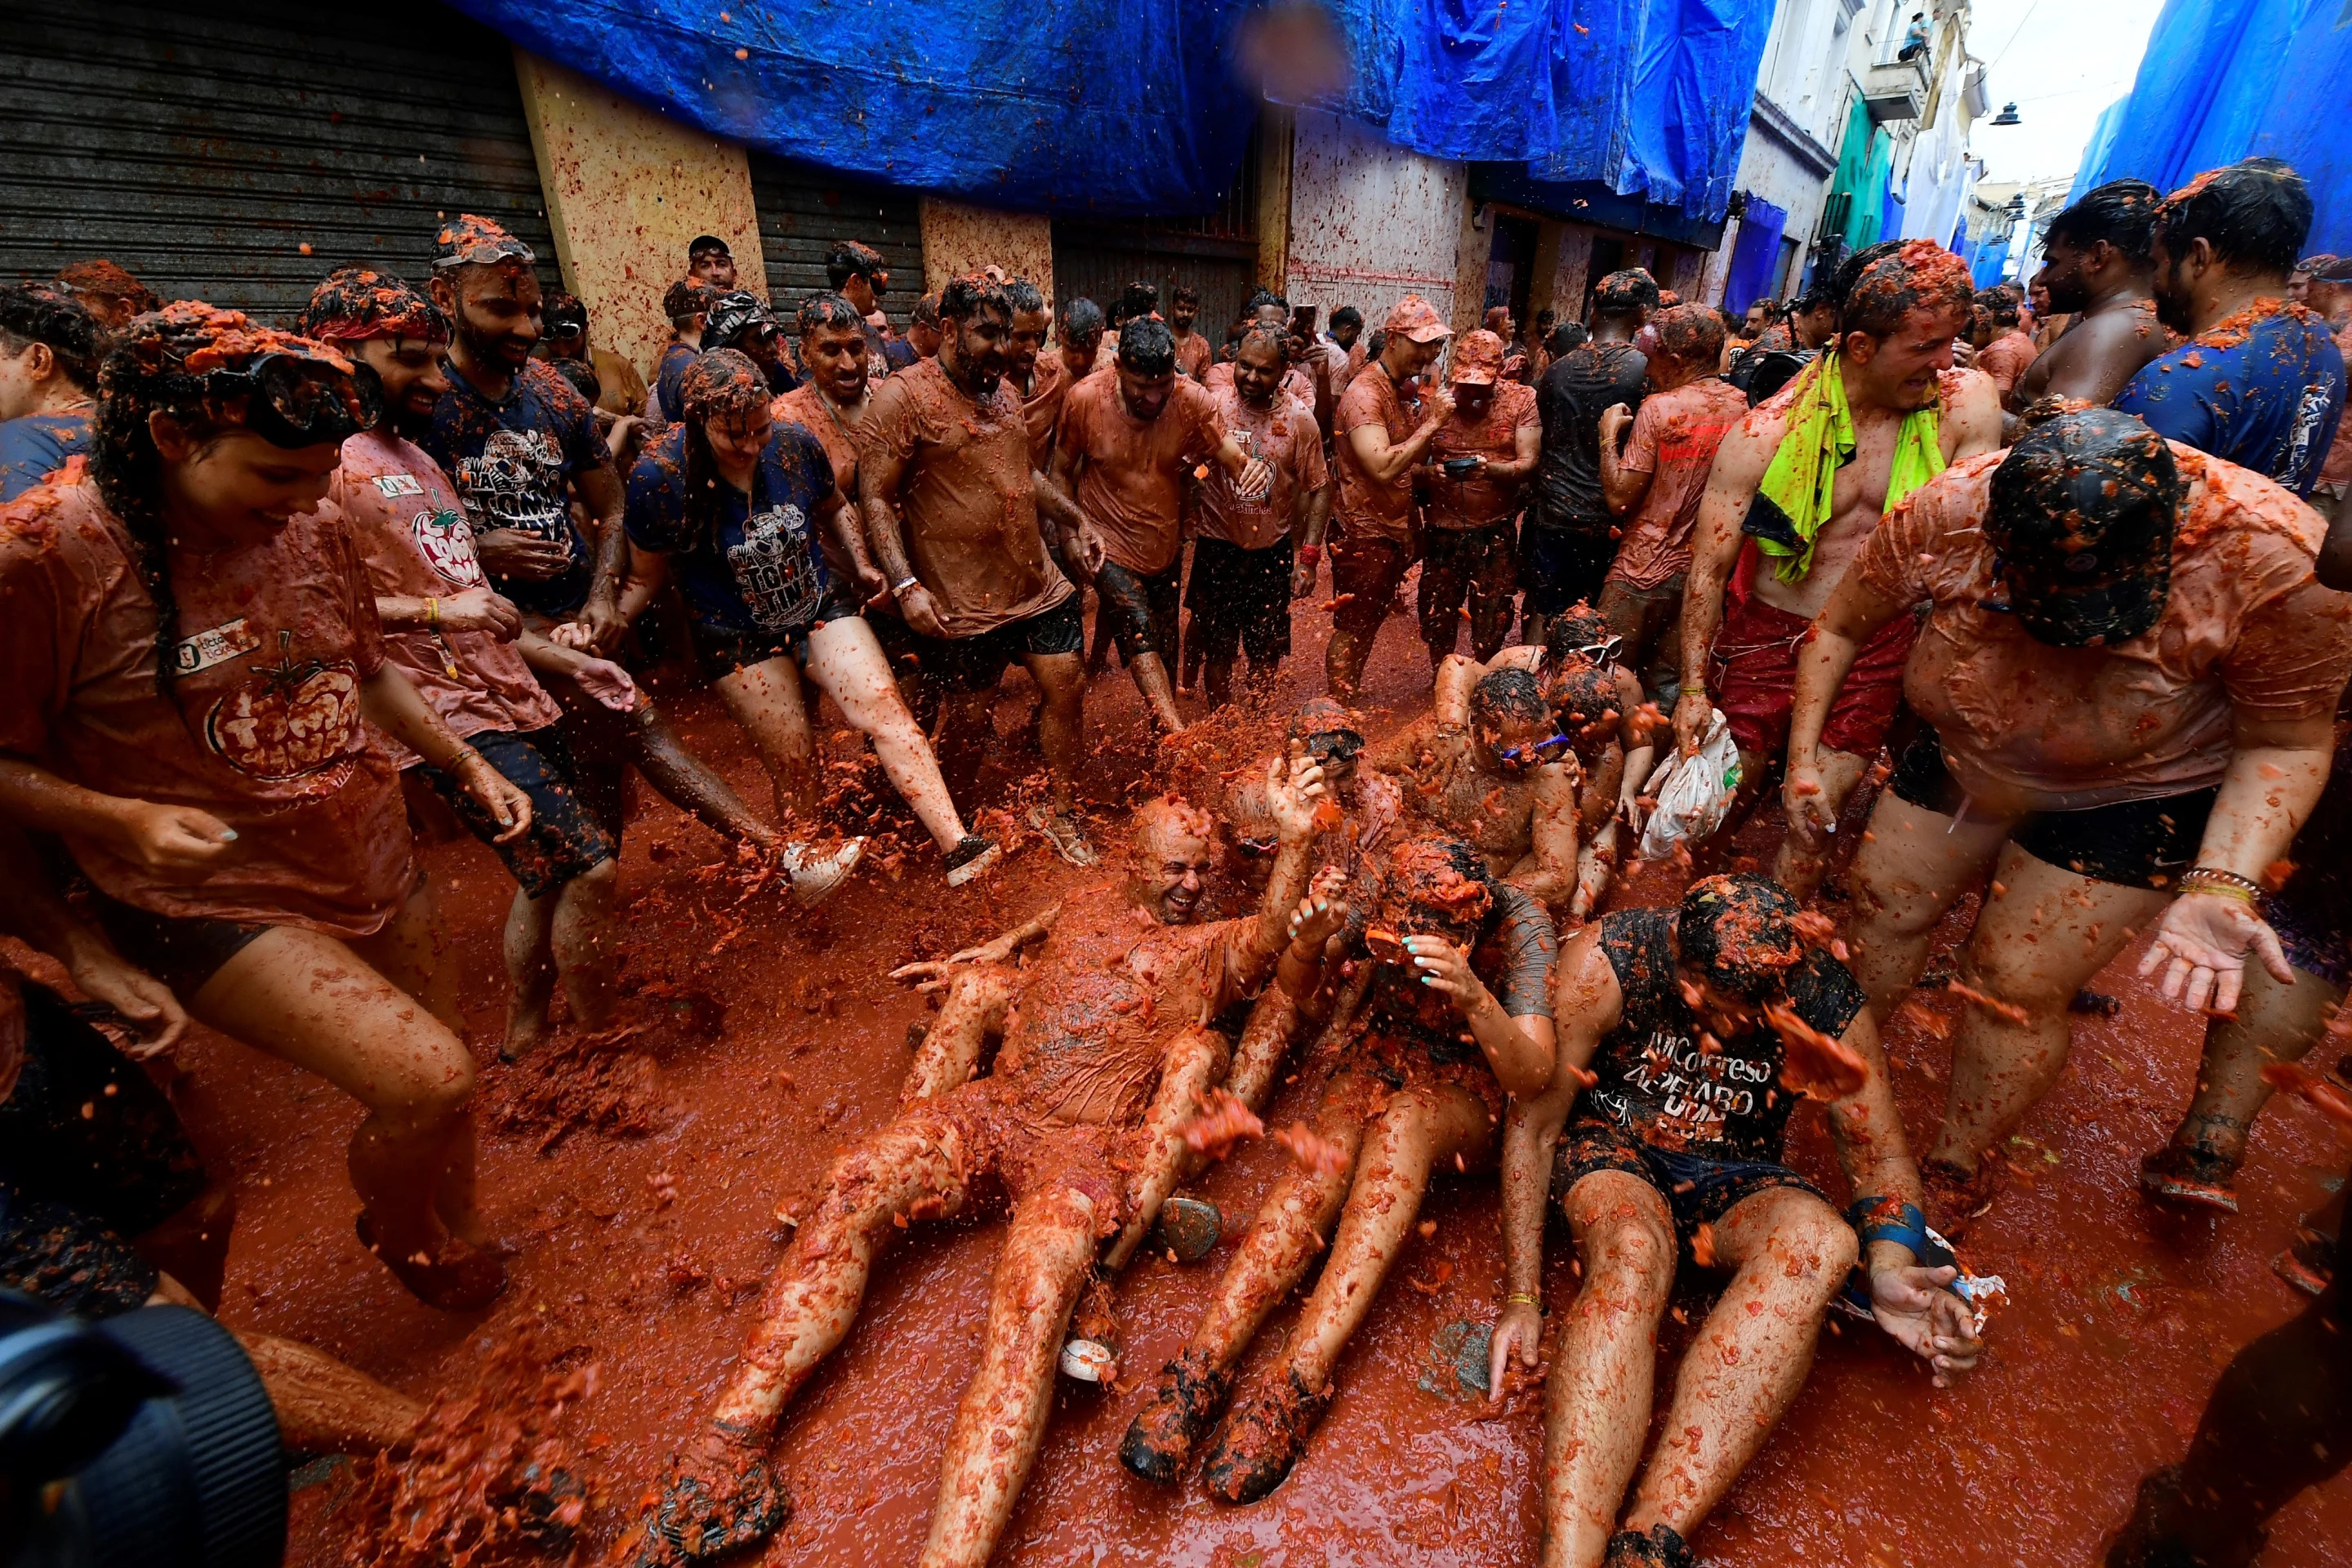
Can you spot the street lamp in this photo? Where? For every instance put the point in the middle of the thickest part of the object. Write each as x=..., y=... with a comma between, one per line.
x=2007, y=115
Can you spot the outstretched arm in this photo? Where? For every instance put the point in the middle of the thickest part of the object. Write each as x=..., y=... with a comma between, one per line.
x=1853, y=616
x=934, y=972
x=1913, y=1304
x=1587, y=1003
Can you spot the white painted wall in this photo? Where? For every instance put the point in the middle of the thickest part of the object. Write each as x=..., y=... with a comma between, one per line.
x=1370, y=221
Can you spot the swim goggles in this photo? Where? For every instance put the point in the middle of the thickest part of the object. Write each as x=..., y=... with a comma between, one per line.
x=292, y=400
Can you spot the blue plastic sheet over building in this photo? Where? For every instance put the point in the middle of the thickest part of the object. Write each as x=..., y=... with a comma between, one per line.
x=1104, y=106
x=2225, y=79
x=1132, y=106
x=1648, y=97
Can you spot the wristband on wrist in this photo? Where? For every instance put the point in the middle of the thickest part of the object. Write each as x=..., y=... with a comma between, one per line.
x=432, y=611
x=1524, y=1299
x=902, y=584
x=1308, y=554
x=2222, y=884
x=1889, y=1219
x=457, y=758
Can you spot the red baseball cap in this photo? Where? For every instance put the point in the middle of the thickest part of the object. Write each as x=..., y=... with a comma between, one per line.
x=1477, y=360
x=1416, y=318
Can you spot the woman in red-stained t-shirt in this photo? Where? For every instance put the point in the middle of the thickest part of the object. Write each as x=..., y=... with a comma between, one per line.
x=191, y=644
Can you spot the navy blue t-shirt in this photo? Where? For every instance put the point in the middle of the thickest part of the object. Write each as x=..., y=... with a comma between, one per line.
x=33, y=447
x=760, y=571
x=669, y=371
x=2269, y=404
x=513, y=462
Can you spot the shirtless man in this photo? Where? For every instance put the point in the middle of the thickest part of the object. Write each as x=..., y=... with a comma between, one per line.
x=1800, y=486
x=1127, y=444
x=951, y=515
x=1506, y=783
x=1455, y=1016
x=2009, y=351
x=1682, y=1089
x=1597, y=703
x=1102, y=1065
x=2097, y=266
x=1042, y=377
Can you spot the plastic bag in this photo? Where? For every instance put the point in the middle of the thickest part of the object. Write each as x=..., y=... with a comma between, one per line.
x=1693, y=794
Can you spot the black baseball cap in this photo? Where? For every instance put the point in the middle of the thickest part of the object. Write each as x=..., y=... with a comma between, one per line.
x=2081, y=521
x=704, y=244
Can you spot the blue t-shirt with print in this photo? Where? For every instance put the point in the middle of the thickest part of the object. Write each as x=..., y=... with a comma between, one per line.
x=33, y=447
x=2269, y=402
x=513, y=462
x=755, y=567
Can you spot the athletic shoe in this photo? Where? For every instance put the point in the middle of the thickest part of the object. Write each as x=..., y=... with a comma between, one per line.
x=1263, y=1438
x=1177, y=1416
x=971, y=858
x=1066, y=835
x=817, y=878
x=1661, y=1548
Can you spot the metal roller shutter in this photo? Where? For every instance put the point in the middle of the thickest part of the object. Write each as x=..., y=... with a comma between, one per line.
x=1215, y=253
x=804, y=210
x=204, y=145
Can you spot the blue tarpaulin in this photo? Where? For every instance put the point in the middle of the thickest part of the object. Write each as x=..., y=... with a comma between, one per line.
x=1648, y=97
x=1990, y=262
x=1107, y=106
x=2225, y=79
x=1130, y=106
x=1753, y=255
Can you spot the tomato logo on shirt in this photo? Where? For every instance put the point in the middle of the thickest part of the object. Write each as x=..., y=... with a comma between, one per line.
x=447, y=546
x=298, y=718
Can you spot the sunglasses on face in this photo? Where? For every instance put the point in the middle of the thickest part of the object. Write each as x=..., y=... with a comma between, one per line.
x=1549, y=750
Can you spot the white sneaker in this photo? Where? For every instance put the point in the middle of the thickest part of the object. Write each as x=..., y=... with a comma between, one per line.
x=1064, y=832
x=816, y=879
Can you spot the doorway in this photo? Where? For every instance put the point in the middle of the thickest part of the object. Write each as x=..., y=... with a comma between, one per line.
x=1511, y=266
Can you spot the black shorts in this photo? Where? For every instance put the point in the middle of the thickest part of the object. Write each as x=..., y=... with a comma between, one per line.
x=2135, y=844
x=181, y=950
x=91, y=1154
x=1559, y=566
x=976, y=663
x=1241, y=599
x=564, y=841
x=721, y=651
x=1698, y=1190
x=1140, y=611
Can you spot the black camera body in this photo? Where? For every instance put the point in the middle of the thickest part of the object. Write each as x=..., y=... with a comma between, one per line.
x=145, y=1439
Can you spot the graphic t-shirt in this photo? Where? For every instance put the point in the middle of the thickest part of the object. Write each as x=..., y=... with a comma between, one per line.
x=1582, y=385
x=1284, y=434
x=1132, y=486
x=1673, y=441
x=1477, y=502
x=2265, y=395
x=405, y=523
x=967, y=508
x=669, y=370
x=513, y=462
x=33, y=447
x=754, y=566
x=1660, y=1082
x=261, y=725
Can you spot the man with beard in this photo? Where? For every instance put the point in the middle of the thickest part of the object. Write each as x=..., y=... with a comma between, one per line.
x=857, y=273
x=1127, y=441
x=1571, y=533
x=709, y=262
x=517, y=440
x=1103, y=1063
x=1272, y=312
x=1043, y=376
x=1252, y=556
x=741, y=321
x=1802, y=484
x=49, y=350
x=1473, y=475
x=830, y=405
x=456, y=641
x=2095, y=265
x=1383, y=429
x=2258, y=381
x=949, y=498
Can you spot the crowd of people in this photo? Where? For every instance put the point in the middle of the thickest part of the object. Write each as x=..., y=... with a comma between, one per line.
x=2031, y=594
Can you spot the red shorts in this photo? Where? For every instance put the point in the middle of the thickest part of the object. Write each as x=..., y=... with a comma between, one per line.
x=1754, y=670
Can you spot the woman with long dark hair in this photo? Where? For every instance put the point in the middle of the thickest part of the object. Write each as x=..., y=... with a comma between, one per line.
x=192, y=644
x=732, y=502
